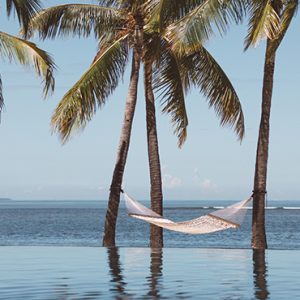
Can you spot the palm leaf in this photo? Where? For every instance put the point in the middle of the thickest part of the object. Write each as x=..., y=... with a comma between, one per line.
x=199, y=68
x=28, y=54
x=1, y=97
x=198, y=25
x=91, y=91
x=167, y=82
x=263, y=23
x=75, y=19
x=288, y=13
x=111, y=3
x=164, y=12
x=25, y=9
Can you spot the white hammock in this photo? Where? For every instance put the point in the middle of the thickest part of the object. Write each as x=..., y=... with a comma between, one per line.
x=229, y=217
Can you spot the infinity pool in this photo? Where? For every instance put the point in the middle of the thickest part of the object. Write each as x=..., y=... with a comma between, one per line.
x=142, y=273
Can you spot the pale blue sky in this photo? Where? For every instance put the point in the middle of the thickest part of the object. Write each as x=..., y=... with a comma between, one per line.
x=212, y=163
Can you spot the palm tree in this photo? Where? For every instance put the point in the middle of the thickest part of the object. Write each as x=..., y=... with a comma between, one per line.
x=119, y=27
x=26, y=53
x=177, y=70
x=174, y=76
x=271, y=20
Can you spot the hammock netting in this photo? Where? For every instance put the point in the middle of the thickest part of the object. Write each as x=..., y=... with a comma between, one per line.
x=229, y=217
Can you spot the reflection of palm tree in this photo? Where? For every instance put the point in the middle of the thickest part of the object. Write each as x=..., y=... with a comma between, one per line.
x=156, y=261
x=260, y=275
x=117, y=280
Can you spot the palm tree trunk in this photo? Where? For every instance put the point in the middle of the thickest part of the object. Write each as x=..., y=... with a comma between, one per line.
x=156, y=233
x=259, y=240
x=116, y=184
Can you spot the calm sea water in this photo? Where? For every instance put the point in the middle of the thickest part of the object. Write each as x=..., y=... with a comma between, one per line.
x=80, y=223
x=139, y=273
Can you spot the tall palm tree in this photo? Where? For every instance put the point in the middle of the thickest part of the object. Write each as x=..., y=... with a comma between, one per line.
x=271, y=20
x=26, y=53
x=173, y=78
x=119, y=27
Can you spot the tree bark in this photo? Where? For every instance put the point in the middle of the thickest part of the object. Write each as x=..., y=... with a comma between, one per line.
x=259, y=240
x=116, y=184
x=156, y=233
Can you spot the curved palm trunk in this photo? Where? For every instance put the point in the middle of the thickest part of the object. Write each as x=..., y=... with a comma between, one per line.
x=116, y=184
x=259, y=240
x=156, y=233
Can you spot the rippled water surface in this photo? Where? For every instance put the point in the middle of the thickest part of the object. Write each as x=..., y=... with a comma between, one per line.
x=141, y=273
x=80, y=223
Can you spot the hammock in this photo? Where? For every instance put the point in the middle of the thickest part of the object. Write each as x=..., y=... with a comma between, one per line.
x=229, y=217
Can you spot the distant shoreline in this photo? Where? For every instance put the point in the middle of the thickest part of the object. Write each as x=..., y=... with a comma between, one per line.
x=5, y=199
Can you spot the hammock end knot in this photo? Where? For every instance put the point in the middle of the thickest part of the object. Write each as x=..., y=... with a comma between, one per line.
x=258, y=192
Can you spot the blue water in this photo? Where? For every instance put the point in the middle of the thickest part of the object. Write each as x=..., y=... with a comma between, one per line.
x=140, y=273
x=80, y=223
x=191, y=267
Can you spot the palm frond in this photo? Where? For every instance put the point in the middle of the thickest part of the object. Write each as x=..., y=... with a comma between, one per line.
x=167, y=82
x=91, y=91
x=163, y=12
x=28, y=54
x=24, y=9
x=206, y=74
x=289, y=11
x=75, y=19
x=198, y=25
x=264, y=22
x=1, y=97
x=110, y=3
x=152, y=46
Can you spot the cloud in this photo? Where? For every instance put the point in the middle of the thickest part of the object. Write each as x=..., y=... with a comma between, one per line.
x=208, y=185
x=205, y=184
x=169, y=181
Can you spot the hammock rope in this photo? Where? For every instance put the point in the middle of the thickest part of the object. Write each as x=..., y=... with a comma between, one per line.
x=229, y=217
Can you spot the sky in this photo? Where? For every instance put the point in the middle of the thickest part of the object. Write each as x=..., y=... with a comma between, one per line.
x=212, y=165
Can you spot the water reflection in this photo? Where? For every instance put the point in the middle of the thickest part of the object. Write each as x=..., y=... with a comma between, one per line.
x=154, y=280
x=64, y=290
x=115, y=269
x=260, y=275
x=152, y=286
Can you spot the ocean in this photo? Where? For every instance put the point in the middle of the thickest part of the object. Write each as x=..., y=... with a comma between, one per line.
x=52, y=250
x=80, y=223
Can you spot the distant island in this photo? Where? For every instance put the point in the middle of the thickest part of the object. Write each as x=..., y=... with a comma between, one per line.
x=5, y=199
